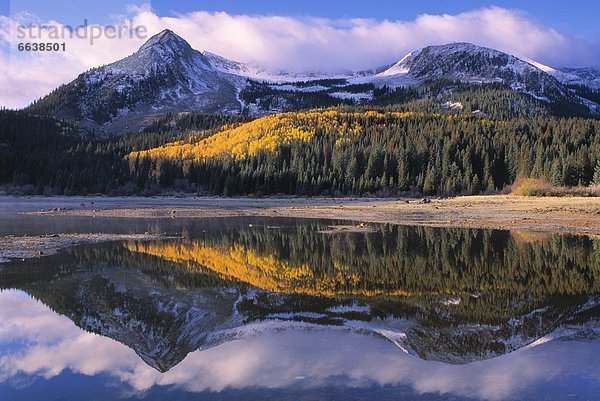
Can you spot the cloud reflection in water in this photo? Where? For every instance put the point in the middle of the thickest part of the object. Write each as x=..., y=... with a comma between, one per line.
x=36, y=341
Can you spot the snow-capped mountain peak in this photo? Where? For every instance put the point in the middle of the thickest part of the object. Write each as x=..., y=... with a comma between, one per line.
x=470, y=63
x=166, y=39
x=163, y=51
x=167, y=75
x=457, y=60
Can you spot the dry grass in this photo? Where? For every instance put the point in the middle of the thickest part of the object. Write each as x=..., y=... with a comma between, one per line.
x=542, y=187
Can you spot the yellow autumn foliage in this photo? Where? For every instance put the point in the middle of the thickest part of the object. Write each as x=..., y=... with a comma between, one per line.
x=263, y=271
x=270, y=132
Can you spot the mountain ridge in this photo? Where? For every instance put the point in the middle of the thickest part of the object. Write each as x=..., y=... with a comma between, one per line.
x=167, y=75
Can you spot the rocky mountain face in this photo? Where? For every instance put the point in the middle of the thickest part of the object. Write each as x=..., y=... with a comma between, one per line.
x=167, y=75
x=466, y=62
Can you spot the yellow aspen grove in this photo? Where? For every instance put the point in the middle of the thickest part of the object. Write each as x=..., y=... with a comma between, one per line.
x=270, y=132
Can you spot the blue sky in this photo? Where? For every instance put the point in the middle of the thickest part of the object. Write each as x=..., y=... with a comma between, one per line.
x=575, y=16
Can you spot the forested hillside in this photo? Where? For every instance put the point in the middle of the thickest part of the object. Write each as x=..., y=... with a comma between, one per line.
x=411, y=147
x=44, y=155
x=349, y=152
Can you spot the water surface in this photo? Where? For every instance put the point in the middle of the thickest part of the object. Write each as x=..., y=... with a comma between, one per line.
x=268, y=308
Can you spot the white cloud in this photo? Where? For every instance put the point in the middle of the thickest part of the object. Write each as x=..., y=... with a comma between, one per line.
x=293, y=43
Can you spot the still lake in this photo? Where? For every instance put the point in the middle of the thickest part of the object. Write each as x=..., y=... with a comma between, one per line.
x=279, y=308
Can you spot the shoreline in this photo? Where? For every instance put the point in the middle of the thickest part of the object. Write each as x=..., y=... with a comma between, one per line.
x=14, y=248
x=569, y=215
x=563, y=215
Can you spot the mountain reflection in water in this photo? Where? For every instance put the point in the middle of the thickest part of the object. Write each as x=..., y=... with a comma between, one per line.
x=261, y=304
x=38, y=343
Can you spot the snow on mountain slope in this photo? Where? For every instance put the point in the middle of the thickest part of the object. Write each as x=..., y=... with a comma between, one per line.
x=164, y=75
x=167, y=75
x=466, y=62
x=259, y=73
x=589, y=76
x=181, y=76
x=402, y=66
x=460, y=60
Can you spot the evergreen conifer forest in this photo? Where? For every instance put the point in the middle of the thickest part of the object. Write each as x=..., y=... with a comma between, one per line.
x=398, y=144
